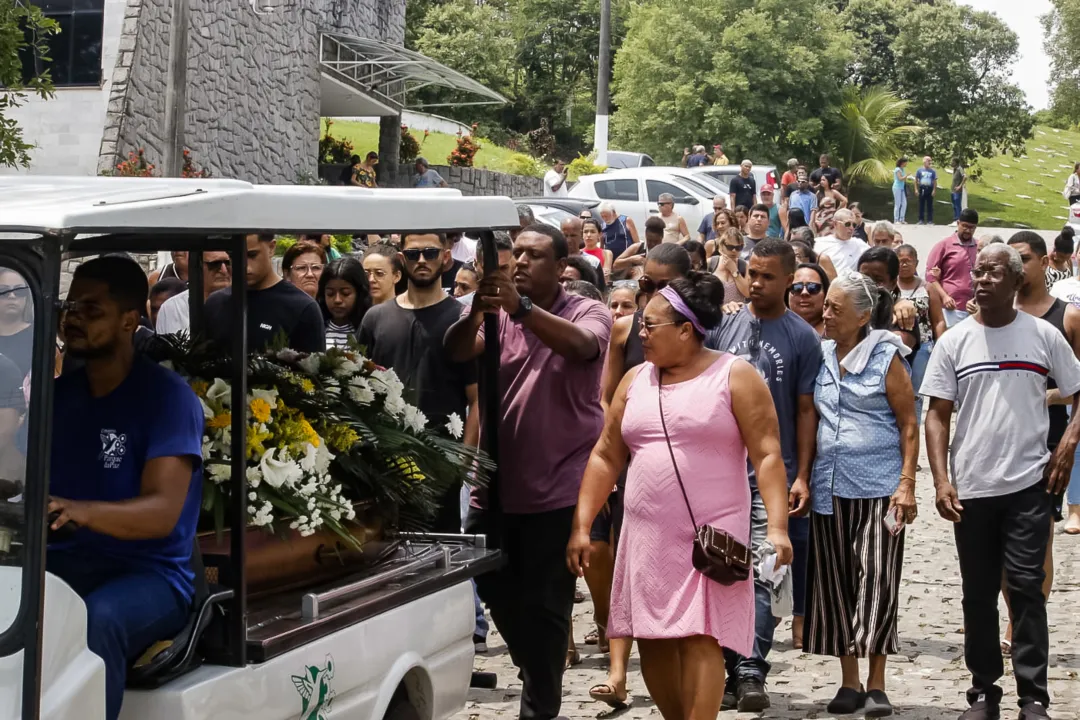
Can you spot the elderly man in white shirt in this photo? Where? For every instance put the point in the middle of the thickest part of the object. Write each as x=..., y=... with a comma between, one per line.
x=842, y=247
x=174, y=314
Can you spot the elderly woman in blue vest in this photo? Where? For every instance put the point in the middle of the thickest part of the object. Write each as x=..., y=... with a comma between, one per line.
x=863, y=491
x=619, y=231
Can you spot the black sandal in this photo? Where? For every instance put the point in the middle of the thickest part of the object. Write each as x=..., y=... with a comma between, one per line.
x=877, y=704
x=847, y=701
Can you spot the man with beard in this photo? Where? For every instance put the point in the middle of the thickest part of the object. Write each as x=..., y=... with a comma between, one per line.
x=949, y=267
x=552, y=348
x=174, y=314
x=126, y=475
x=406, y=334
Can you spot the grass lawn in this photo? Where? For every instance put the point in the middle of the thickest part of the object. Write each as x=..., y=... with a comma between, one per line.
x=436, y=148
x=1011, y=191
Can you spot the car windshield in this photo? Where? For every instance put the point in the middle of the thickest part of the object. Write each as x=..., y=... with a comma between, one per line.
x=700, y=188
x=710, y=184
x=551, y=215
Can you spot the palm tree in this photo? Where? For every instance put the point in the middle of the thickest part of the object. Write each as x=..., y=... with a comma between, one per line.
x=866, y=132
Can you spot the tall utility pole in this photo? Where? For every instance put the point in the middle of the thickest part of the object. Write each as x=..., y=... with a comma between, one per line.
x=603, y=72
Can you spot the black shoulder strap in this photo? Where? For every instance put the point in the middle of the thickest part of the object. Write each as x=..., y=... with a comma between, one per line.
x=667, y=438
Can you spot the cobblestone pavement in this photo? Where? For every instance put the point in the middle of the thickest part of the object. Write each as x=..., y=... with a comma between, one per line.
x=926, y=681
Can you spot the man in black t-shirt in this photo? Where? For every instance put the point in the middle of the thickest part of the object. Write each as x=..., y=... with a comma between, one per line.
x=274, y=307
x=406, y=334
x=743, y=188
x=834, y=175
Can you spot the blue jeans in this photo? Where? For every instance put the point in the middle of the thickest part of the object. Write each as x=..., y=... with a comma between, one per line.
x=1072, y=495
x=957, y=205
x=127, y=611
x=481, y=621
x=926, y=204
x=899, y=204
x=918, y=370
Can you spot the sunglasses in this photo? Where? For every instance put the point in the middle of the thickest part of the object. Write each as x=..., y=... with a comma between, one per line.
x=428, y=253
x=810, y=288
x=848, y=224
x=663, y=204
x=733, y=248
x=649, y=286
x=17, y=291
x=217, y=265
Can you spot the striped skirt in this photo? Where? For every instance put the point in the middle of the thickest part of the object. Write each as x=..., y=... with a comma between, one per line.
x=853, y=581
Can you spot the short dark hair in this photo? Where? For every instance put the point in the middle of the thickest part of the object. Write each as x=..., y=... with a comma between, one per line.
x=351, y=271
x=558, y=240
x=1035, y=241
x=742, y=209
x=584, y=268
x=584, y=288
x=771, y=247
x=655, y=224
x=811, y=254
x=444, y=238
x=124, y=278
x=671, y=255
x=692, y=248
x=822, y=275
x=596, y=224
x=298, y=249
x=171, y=285
x=886, y=256
x=760, y=207
x=969, y=215
x=903, y=159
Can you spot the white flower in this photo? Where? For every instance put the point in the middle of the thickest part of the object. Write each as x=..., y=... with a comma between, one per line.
x=252, y=496
x=346, y=368
x=361, y=392
x=270, y=396
x=208, y=414
x=220, y=392
x=395, y=405
x=414, y=419
x=454, y=426
x=387, y=383
x=278, y=472
x=254, y=477
x=288, y=355
x=220, y=472
x=323, y=458
x=310, y=364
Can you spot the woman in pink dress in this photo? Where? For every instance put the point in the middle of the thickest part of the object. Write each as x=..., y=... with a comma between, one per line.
x=717, y=410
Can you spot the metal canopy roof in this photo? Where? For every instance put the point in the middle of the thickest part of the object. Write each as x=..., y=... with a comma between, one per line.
x=387, y=74
x=67, y=205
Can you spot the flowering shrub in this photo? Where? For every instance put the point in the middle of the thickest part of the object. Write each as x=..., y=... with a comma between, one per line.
x=409, y=149
x=190, y=169
x=464, y=154
x=324, y=431
x=135, y=165
x=332, y=150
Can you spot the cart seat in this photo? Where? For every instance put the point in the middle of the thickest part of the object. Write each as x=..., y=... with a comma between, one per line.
x=168, y=658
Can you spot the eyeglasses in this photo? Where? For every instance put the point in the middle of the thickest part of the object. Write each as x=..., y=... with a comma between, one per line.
x=219, y=265
x=848, y=224
x=664, y=203
x=429, y=253
x=994, y=275
x=649, y=327
x=809, y=288
x=649, y=286
x=733, y=248
x=16, y=291
x=307, y=269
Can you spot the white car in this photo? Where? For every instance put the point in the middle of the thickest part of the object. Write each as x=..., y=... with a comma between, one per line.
x=635, y=192
x=762, y=174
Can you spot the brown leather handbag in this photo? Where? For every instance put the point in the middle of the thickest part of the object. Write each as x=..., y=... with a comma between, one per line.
x=717, y=555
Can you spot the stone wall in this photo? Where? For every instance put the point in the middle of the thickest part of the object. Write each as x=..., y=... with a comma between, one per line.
x=476, y=181
x=253, y=104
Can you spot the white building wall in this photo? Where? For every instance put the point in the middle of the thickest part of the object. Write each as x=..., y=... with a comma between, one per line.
x=66, y=130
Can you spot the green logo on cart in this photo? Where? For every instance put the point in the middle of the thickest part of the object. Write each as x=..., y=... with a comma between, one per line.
x=315, y=691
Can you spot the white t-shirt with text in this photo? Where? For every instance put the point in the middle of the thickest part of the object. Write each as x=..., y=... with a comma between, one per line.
x=997, y=378
x=844, y=254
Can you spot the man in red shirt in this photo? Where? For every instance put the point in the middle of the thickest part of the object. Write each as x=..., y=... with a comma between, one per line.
x=949, y=266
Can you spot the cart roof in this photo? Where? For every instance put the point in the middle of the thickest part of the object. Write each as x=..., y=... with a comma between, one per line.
x=72, y=205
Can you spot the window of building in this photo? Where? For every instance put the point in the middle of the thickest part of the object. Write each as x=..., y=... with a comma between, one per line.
x=75, y=51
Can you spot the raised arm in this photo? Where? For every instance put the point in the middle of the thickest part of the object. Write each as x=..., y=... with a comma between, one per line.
x=608, y=459
x=629, y=259
x=616, y=356
x=756, y=416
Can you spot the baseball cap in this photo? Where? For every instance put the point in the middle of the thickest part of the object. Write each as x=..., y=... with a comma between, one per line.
x=769, y=189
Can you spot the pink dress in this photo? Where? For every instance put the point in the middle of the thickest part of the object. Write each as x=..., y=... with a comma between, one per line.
x=657, y=593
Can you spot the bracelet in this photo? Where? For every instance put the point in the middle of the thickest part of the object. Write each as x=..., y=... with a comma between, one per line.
x=906, y=477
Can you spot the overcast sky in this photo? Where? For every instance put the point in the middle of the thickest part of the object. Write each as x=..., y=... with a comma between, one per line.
x=1032, y=71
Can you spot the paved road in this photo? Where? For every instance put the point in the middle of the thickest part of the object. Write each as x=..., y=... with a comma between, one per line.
x=926, y=681
x=923, y=237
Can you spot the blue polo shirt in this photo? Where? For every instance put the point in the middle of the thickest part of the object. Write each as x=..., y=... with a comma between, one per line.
x=100, y=446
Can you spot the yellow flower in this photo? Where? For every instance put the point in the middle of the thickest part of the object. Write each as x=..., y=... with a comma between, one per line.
x=341, y=437
x=255, y=438
x=307, y=386
x=200, y=387
x=260, y=410
x=221, y=421
x=309, y=432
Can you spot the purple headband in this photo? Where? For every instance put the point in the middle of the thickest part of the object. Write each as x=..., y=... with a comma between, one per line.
x=682, y=308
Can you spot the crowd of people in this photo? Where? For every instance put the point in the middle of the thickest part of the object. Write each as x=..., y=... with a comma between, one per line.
x=713, y=432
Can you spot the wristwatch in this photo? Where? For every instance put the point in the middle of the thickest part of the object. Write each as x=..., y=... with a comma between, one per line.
x=524, y=308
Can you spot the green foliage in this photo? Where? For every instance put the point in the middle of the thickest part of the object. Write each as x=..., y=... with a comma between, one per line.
x=341, y=243
x=1061, y=27
x=410, y=147
x=953, y=64
x=874, y=26
x=334, y=150
x=582, y=165
x=526, y=165
x=20, y=20
x=464, y=153
x=713, y=70
x=868, y=134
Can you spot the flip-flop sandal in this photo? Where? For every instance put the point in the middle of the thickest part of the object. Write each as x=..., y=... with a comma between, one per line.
x=573, y=657
x=606, y=694
x=1006, y=648
x=579, y=597
x=592, y=638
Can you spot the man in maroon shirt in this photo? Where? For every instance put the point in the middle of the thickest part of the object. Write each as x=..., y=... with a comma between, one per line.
x=949, y=266
x=552, y=348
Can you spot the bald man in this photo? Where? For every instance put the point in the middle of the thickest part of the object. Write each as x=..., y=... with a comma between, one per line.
x=571, y=228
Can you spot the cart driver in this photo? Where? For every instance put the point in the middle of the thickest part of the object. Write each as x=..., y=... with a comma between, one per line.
x=126, y=473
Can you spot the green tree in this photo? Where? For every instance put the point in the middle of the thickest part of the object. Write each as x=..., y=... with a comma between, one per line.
x=759, y=76
x=1062, y=27
x=23, y=29
x=953, y=64
x=874, y=25
x=867, y=132
x=473, y=38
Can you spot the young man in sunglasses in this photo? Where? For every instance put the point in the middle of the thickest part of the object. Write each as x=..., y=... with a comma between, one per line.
x=173, y=316
x=406, y=334
x=786, y=352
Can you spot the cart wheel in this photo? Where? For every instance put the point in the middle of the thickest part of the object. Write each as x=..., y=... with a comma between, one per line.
x=401, y=709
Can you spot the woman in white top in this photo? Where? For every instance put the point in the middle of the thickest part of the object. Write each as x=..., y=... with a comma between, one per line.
x=343, y=297
x=675, y=229
x=1072, y=186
